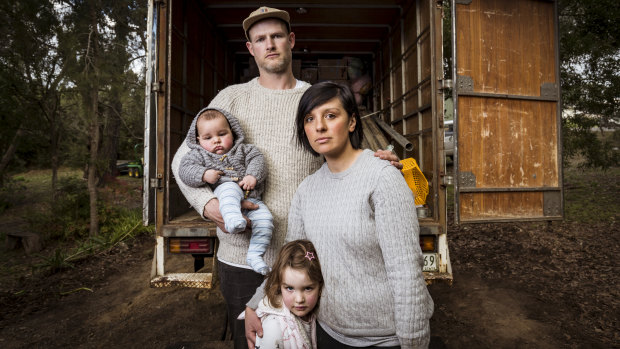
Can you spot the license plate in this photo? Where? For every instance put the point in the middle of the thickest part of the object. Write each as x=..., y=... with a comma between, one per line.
x=431, y=262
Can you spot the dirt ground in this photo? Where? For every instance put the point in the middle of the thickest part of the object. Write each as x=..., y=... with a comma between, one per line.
x=516, y=285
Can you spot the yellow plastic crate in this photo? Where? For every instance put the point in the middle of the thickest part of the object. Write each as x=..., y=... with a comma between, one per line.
x=415, y=180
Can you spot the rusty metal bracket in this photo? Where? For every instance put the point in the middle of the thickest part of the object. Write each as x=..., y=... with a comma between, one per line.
x=549, y=89
x=552, y=203
x=465, y=83
x=467, y=179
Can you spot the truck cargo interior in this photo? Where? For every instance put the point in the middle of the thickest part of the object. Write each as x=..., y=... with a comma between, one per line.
x=382, y=49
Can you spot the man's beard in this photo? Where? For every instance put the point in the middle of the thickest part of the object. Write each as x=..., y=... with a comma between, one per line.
x=277, y=67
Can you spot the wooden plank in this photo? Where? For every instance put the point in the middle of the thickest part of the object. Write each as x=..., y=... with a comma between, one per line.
x=508, y=143
x=481, y=206
x=508, y=47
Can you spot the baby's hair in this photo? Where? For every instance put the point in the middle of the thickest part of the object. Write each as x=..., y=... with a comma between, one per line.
x=211, y=114
x=299, y=255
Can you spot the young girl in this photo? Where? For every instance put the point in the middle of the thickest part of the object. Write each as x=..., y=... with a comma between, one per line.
x=292, y=291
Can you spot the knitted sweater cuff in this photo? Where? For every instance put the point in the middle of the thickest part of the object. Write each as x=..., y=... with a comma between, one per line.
x=257, y=297
x=415, y=343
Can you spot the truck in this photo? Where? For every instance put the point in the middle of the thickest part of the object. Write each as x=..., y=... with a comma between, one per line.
x=503, y=82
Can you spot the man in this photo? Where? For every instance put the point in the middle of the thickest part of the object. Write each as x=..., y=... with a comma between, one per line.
x=266, y=108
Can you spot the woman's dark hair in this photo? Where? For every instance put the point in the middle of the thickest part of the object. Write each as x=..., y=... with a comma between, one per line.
x=319, y=94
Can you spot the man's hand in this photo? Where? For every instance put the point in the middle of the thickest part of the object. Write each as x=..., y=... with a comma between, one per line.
x=389, y=156
x=212, y=211
x=253, y=327
x=211, y=176
x=248, y=182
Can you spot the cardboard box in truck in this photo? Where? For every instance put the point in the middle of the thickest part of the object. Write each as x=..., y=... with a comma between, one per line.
x=504, y=85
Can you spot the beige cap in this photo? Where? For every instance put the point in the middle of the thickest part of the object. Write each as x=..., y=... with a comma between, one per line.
x=265, y=12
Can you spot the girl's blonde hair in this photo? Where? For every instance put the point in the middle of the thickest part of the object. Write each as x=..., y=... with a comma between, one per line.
x=299, y=255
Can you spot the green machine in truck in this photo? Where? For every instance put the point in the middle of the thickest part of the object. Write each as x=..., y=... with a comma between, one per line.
x=504, y=84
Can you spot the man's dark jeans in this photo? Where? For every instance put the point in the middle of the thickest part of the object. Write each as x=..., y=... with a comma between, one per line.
x=237, y=286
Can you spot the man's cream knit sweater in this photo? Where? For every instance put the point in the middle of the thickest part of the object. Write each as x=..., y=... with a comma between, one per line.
x=268, y=119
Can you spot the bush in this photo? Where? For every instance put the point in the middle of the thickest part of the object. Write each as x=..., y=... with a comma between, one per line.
x=68, y=215
x=9, y=191
x=580, y=142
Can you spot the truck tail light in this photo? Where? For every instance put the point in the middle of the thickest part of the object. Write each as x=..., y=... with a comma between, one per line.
x=427, y=243
x=190, y=245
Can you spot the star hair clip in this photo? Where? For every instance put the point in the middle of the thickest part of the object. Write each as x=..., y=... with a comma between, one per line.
x=310, y=256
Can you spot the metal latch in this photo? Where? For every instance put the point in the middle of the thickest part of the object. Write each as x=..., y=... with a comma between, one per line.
x=444, y=84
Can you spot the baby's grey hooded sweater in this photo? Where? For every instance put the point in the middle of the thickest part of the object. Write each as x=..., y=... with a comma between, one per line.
x=241, y=160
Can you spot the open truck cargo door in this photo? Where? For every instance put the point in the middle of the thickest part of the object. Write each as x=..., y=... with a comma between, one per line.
x=507, y=108
x=392, y=50
x=150, y=112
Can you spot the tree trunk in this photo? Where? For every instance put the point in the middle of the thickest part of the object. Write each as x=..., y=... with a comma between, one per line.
x=91, y=106
x=111, y=136
x=94, y=154
x=54, y=142
x=8, y=154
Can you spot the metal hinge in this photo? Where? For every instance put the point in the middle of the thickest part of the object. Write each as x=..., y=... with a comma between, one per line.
x=157, y=183
x=464, y=83
x=158, y=86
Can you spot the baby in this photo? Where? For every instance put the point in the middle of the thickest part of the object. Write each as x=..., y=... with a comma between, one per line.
x=219, y=158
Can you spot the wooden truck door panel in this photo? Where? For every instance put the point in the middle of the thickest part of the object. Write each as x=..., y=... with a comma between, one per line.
x=506, y=74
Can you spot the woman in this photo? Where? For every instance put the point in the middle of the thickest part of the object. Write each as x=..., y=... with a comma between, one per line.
x=359, y=213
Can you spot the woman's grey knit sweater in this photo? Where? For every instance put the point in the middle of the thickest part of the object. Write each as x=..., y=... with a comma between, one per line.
x=363, y=224
x=268, y=119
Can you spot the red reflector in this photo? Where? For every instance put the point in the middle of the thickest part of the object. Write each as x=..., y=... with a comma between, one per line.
x=190, y=245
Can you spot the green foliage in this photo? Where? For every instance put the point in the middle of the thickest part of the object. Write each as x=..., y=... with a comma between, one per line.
x=590, y=78
x=45, y=48
x=54, y=263
x=117, y=224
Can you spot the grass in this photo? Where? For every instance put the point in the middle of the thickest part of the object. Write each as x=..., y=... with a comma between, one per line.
x=591, y=195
